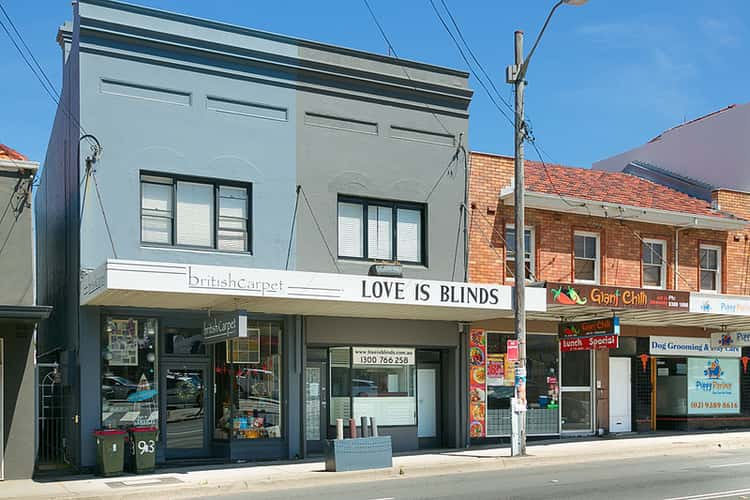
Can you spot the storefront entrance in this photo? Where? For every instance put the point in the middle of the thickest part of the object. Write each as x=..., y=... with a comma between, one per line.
x=576, y=402
x=316, y=401
x=185, y=398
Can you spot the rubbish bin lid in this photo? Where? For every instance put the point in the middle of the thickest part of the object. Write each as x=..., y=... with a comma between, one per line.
x=143, y=429
x=109, y=432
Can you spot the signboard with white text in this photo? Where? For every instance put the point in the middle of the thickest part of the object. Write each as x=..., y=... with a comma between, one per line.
x=689, y=346
x=713, y=386
x=383, y=356
x=225, y=326
x=719, y=304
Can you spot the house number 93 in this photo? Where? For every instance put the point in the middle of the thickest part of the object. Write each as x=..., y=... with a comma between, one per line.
x=146, y=446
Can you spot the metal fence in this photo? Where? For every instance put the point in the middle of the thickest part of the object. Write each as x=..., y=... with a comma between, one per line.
x=50, y=453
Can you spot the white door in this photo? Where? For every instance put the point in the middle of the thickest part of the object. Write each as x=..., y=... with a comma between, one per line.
x=619, y=395
x=427, y=402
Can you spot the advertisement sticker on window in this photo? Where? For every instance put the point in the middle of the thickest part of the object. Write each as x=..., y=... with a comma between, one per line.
x=383, y=356
x=477, y=383
x=713, y=386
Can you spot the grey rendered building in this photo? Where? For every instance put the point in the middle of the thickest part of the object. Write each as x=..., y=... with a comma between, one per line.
x=19, y=317
x=236, y=170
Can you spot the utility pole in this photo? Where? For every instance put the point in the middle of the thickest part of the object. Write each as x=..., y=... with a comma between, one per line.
x=518, y=448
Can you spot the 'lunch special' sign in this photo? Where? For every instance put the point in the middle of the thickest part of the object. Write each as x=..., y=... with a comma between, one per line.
x=616, y=297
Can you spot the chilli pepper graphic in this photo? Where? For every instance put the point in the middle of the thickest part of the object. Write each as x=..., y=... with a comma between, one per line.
x=576, y=298
x=562, y=298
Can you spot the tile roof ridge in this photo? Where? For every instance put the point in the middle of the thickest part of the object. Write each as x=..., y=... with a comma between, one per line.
x=12, y=153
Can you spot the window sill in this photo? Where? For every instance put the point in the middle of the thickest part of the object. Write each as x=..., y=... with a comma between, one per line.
x=369, y=262
x=209, y=251
x=585, y=282
x=713, y=292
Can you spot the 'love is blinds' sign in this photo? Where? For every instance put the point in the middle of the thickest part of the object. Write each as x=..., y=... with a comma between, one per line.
x=226, y=326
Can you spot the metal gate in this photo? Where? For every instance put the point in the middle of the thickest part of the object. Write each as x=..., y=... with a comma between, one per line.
x=50, y=454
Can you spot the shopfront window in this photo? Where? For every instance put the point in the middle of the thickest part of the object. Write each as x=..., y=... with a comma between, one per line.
x=251, y=407
x=129, y=388
x=541, y=384
x=379, y=383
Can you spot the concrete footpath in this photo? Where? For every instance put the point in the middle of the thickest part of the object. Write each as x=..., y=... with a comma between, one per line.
x=253, y=478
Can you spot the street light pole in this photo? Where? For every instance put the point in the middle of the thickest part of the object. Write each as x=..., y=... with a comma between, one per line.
x=516, y=74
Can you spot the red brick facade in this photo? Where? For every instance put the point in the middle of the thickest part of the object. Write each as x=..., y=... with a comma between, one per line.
x=620, y=248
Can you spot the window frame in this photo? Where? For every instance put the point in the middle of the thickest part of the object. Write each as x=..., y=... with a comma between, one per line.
x=718, y=270
x=216, y=185
x=662, y=264
x=531, y=251
x=597, y=260
x=394, y=205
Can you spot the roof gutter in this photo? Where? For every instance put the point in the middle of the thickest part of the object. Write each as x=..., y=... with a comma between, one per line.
x=546, y=201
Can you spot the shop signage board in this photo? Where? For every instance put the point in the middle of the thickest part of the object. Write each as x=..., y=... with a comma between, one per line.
x=730, y=339
x=383, y=356
x=477, y=383
x=712, y=303
x=616, y=297
x=589, y=343
x=271, y=283
x=589, y=328
x=713, y=386
x=225, y=326
x=688, y=347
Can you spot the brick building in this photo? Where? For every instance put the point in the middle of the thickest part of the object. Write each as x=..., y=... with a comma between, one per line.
x=670, y=267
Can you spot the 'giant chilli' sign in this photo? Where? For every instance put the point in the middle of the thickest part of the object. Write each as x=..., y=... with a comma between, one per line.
x=616, y=297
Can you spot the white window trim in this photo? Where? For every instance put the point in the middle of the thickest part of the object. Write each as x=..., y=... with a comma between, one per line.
x=597, y=263
x=718, y=268
x=663, y=274
x=532, y=252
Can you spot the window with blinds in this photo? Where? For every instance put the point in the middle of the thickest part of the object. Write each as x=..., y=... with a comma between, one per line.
x=380, y=230
x=195, y=213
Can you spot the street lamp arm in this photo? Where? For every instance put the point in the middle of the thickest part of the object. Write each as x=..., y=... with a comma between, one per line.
x=522, y=72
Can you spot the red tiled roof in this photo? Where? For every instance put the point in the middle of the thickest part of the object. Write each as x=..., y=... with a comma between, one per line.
x=7, y=153
x=612, y=187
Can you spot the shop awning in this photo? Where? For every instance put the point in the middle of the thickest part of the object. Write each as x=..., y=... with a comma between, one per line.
x=144, y=284
x=647, y=307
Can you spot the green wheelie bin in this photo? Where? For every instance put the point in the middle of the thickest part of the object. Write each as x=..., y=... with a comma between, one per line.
x=110, y=451
x=143, y=449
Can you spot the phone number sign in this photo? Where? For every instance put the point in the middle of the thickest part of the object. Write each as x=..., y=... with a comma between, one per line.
x=384, y=356
x=713, y=386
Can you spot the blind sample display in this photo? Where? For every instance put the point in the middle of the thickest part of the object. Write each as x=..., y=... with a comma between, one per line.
x=379, y=232
x=195, y=214
x=409, y=233
x=156, y=213
x=350, y=229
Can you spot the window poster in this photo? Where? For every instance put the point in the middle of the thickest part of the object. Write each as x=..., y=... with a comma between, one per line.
x=713, y=386
x=477, y=383
x=123, y=342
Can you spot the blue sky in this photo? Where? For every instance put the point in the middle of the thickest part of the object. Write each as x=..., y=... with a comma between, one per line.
x=608, y=76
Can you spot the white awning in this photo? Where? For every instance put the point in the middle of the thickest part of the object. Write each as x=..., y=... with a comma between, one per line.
x=164, y=285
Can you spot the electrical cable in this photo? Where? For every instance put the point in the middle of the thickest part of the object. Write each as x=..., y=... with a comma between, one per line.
x=458, y=239
x=291, y=231
x=104, y=215
x=392, y=49
x=505, y=243
x=320, y=230
x=471, y=67
x=41, y=75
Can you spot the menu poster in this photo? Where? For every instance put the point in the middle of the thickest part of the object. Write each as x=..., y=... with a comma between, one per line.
x=123, y=342
x=477, y=383
x=495, y=369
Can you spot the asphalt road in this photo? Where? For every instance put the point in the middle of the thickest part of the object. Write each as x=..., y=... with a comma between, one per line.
x=720, y=474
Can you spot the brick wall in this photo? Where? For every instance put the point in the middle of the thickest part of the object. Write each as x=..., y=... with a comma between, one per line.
x=620, y=247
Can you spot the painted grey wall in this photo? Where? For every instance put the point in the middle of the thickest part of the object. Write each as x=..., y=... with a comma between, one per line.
x=347, y=146
x=196, y=111
x=713, y=149
x=16, y=260
x=19, y=397
x=356, y=331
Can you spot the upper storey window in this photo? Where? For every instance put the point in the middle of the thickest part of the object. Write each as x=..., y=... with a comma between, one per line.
x=195, y=213
x=381, y=230
x=654, y=263
x=586, y=257
x=710, y=268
